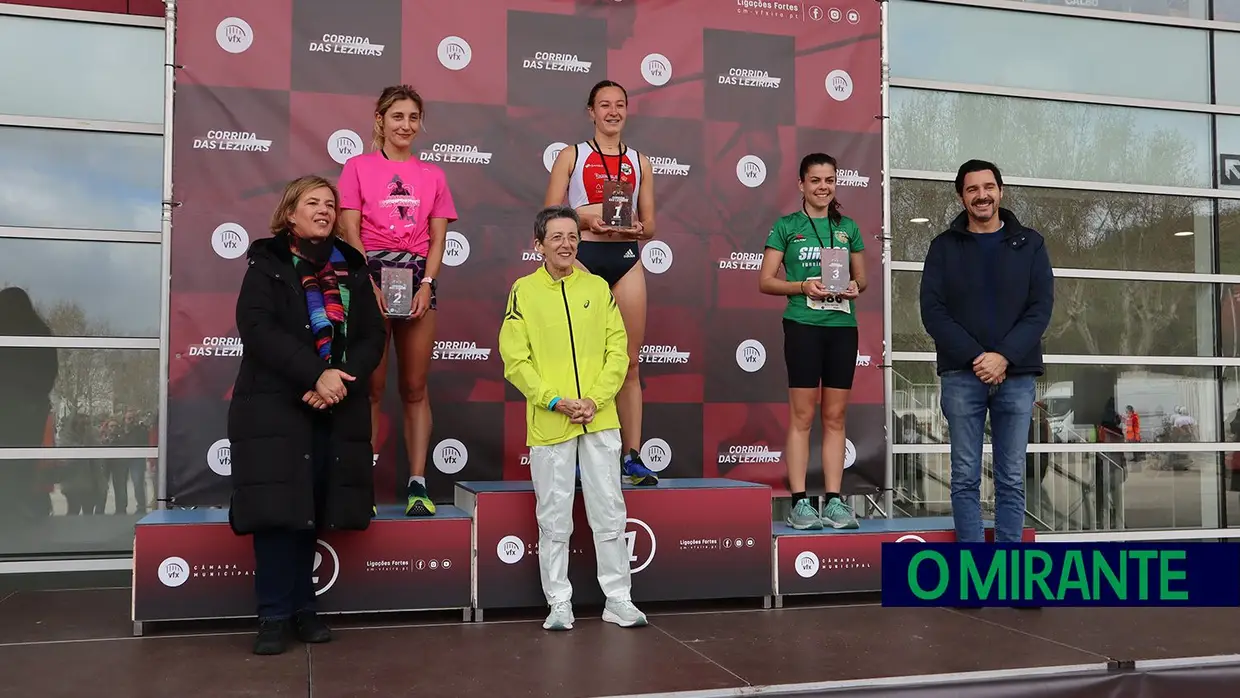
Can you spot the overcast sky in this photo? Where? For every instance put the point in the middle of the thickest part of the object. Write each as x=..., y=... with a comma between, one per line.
x=83, y=180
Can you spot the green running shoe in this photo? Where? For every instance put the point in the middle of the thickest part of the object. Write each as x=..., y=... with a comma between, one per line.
x=803, y=517
x=420, y=503
x=837, y=514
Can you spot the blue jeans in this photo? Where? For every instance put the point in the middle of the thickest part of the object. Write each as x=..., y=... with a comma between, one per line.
x=965, y=401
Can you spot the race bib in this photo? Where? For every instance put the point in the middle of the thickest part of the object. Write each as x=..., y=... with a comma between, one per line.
x=834, y=302
x=841, y=306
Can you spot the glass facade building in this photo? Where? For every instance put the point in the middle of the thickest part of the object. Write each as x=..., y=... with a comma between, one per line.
x=1114, y=122
x=82, y=138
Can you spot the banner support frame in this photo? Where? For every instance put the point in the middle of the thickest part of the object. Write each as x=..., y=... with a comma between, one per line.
x=165, y=279
x=888, y=366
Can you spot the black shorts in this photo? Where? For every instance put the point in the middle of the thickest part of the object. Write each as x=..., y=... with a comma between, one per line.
x=820, y=356
x=610, y=260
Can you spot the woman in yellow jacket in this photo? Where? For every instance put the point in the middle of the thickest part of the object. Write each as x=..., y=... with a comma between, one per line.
x=565, y=348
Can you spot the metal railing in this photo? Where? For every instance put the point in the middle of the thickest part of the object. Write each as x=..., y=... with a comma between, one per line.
x=1064, y=492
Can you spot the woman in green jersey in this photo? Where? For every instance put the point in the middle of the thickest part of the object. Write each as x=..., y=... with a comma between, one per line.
x=820, y=331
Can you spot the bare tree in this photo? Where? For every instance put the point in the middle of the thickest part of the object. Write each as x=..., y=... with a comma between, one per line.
x=1097, y=230
x=96, y=382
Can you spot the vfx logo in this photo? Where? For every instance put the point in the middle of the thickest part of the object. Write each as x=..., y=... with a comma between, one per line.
x=751, y=171
x=807, y=564
x=230, y=240
x=455, y=53
x=657, y=257
x=656, y=69
x=234, y=35
x=450, y=456
x=551, y=152
x=344, y=144
x=455, y=249
x=510, y=550
x=750, y=356
x=219, y=458
x=657, y=454
x=839, y=85
x=173, y=572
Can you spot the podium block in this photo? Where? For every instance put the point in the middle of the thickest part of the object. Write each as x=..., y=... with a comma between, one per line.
x=833, y=561
x=687, y=539
x=189, y=565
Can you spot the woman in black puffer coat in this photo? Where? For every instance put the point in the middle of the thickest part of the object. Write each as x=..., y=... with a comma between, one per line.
x=299, y=421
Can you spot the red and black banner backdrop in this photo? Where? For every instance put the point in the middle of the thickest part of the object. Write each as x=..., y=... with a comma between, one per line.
x=725, y=97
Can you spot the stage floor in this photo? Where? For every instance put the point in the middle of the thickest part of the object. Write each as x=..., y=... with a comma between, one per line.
x=52, y=643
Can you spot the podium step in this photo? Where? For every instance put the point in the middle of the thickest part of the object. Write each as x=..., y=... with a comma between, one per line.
x=694, y=538
x=189, y=565
x=831, y=561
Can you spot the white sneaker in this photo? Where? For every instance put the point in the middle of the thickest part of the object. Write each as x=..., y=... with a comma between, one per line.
x=561, y=617
x=623, y=614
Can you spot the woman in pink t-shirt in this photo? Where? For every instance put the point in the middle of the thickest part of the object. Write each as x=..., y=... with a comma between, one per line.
x=396, y=209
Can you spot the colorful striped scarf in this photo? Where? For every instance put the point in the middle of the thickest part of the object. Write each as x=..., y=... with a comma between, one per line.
x=327, y=298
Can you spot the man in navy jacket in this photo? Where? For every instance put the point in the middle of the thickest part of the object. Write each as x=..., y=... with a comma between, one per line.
x=986, y=297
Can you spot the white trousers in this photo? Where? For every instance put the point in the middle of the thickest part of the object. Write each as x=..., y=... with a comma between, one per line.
x=553, y=470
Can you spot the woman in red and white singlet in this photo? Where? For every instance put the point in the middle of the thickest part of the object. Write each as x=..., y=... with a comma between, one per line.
x=583, y=172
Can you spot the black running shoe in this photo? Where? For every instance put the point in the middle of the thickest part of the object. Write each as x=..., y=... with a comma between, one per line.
x=272, y=637
x=310, y=628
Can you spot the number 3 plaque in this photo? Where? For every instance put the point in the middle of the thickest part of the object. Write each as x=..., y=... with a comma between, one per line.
x=835, y=273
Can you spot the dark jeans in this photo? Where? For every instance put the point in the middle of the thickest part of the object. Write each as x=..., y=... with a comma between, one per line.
x=284, y=560
x=282, y=578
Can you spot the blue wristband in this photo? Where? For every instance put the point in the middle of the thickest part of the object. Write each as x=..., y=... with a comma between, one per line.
x=551, y=405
